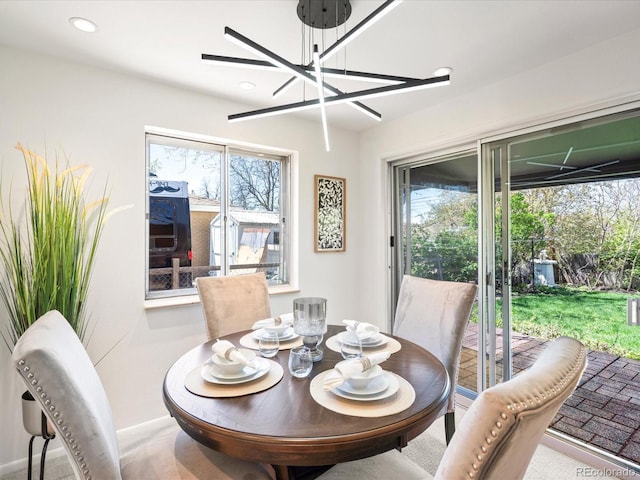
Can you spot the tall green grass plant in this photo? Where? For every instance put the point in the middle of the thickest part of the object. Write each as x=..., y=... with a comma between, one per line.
x=48, y=248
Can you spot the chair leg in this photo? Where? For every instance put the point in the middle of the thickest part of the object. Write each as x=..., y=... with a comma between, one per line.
x=449, y=425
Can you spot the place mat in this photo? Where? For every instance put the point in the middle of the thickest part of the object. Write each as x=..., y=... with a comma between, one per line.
x=249, y=341
x=392, y=345
x=396, y=403
x=199, y=386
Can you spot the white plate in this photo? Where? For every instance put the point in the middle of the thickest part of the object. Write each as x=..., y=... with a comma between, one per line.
x=392, y=388
x=377, y=385
x=245, y=372
x=288, y=334
x=366, y=343
x=376, y=340
x=246, y=375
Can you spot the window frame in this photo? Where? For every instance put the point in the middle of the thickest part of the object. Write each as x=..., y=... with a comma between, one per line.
x=287, y=214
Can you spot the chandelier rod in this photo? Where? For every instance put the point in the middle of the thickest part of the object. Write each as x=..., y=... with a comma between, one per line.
x=277, y=60
x=323, y=112
x=327, y=72
x=343, y=98
x=347, y=38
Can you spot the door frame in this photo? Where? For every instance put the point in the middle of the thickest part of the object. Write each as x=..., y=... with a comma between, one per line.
x=493, y=169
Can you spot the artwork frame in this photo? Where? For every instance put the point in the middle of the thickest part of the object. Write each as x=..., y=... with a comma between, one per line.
x=330, y=214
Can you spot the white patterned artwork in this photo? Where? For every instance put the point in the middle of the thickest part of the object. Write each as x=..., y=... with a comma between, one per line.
x=330, y=214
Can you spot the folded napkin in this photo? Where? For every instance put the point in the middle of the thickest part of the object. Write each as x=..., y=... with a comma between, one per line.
x=286, y=319
x=362, y=329
x=347, y=369
x=226, y=349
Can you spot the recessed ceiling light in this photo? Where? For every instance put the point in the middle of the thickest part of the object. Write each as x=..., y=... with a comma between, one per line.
x=443, y=71
x=83, y=24
x=247, y=85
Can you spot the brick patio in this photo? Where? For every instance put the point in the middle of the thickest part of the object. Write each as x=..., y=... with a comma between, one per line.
x=604, y=411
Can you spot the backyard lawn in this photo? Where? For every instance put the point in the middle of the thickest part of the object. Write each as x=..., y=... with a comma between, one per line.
x=597, y=319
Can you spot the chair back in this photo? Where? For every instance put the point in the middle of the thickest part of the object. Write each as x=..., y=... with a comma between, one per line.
x=434, y=314
x=61, y=377
x=501, y=430
x=233, y=303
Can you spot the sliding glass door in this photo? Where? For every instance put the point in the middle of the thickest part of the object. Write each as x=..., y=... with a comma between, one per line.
x=547, y=223
x=567, y=262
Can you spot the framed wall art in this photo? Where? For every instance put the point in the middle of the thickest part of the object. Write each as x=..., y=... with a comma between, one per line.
x=330, y=214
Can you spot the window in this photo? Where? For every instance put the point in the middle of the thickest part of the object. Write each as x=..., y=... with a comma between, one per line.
x=214, y=209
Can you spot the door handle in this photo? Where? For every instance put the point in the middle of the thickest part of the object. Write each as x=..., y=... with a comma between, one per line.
x=506, y=273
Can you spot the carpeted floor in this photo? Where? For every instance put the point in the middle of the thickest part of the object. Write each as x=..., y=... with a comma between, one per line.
x=426, y=450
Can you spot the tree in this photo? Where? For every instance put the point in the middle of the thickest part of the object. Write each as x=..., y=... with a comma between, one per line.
x=621, y=245
x=210, y=189
x=444, y=243
x=200, y=168
x=527, y=226
x=255, y=183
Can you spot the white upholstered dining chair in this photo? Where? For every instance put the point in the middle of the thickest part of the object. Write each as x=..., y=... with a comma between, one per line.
x=500, y=432
x=59, y=374
x=233, y=303
x=434, y=314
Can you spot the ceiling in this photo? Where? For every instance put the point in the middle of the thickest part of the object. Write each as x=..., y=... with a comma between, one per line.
x=483, y=41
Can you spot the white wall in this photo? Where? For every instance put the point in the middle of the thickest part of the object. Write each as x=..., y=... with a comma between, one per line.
x=604, y=73
x=98, y=117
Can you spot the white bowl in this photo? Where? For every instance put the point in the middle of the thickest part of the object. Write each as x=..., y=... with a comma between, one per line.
x=231, y=367
x=279, y=329
x=362, y=380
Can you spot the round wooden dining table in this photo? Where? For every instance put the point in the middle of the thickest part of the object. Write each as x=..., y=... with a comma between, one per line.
x=285, y=427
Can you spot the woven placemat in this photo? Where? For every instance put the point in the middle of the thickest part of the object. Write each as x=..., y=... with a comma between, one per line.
x=401, y=400
x=392, y=345
x=199, y=386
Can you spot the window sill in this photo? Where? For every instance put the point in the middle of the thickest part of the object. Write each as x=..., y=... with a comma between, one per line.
x=178, y=301
x=182, y=300
x=280, y=289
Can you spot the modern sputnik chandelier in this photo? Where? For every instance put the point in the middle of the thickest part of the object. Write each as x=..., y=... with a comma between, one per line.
x=322, y=14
